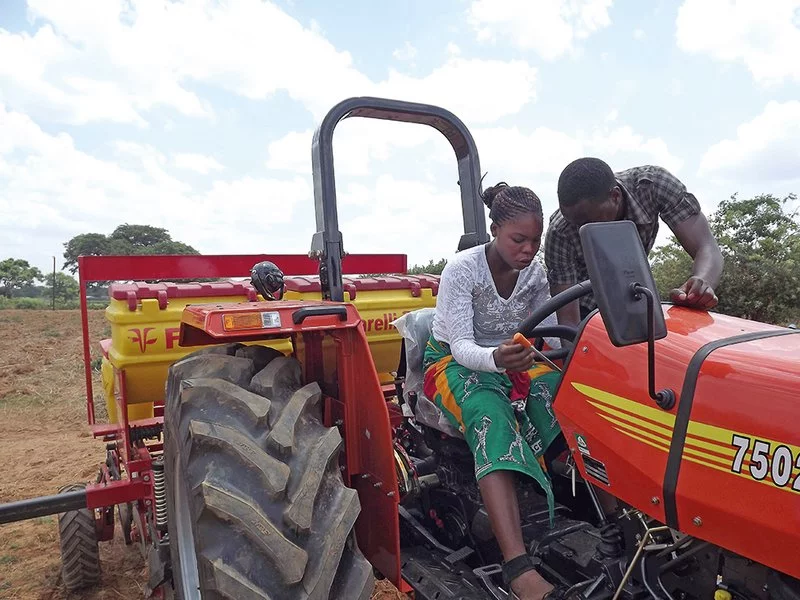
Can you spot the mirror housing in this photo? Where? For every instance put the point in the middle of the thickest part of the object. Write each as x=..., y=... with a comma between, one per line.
x=616, y=262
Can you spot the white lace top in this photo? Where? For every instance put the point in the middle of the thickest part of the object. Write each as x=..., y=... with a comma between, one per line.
x=474, y=319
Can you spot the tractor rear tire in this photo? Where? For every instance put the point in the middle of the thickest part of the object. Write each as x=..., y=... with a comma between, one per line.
x=80, y=554
x=256, y=504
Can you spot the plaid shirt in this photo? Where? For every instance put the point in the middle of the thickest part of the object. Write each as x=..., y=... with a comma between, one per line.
x=649, y=192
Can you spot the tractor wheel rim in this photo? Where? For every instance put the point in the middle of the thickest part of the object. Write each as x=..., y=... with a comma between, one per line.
x=190, y=578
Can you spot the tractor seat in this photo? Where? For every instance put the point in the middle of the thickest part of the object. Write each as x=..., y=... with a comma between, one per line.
x=415, y=329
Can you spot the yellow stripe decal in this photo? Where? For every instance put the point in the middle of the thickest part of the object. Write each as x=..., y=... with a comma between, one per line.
x=706, y=445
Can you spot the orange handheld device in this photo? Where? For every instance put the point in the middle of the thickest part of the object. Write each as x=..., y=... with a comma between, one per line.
x=521, y=339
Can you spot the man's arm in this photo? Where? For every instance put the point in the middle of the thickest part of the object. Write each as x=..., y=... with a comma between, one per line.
x=695, y=236
x=569, y=314
x=681, y=211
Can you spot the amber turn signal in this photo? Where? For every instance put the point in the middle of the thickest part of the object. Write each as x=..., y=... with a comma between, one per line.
x=238, y=321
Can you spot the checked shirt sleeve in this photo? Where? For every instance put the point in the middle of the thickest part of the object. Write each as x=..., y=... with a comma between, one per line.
x=676, y=203
x=560, y=257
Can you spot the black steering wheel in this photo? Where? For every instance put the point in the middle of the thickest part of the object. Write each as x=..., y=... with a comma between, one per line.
x=530, y=326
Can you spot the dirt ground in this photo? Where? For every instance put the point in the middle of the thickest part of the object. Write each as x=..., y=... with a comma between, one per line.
x=45, y=444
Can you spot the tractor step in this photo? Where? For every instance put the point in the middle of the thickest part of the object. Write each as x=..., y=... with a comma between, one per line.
x=432, y=577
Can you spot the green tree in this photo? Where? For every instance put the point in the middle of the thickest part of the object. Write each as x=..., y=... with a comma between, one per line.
x=126, y=239
x=29, y=291
x=167, y=247
x=15, y=274
x=432, y=268
x=140, y=236
x=91, y=244
x=760, y=242
x=671, y=266
x=67, y=289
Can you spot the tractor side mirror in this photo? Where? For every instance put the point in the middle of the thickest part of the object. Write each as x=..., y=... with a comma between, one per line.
x=622, y=282
x=626, y=293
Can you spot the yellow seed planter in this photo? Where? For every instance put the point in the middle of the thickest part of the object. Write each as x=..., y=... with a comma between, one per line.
x=145, y=325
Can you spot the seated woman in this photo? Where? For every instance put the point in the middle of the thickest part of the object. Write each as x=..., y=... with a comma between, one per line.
x=488, y=386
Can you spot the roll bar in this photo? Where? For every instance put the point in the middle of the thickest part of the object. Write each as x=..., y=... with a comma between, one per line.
x=327, y=241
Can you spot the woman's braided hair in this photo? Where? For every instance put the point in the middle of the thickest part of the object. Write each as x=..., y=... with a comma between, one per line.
x=507, y=202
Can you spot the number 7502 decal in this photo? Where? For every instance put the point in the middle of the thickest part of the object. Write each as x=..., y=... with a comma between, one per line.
x=764, y=460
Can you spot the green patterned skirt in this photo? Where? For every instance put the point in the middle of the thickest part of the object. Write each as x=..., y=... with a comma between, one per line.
x=507, y=419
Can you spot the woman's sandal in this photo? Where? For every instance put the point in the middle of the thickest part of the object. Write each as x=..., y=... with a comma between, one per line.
x=516, y=567
x=522, y=564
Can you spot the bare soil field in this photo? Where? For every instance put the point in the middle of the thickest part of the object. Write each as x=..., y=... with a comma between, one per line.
x=45, y=444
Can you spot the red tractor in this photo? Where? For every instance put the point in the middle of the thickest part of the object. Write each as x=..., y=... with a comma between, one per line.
x=283, y=475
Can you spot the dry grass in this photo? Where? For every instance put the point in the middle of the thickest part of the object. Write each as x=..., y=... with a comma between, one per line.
x=45, y=444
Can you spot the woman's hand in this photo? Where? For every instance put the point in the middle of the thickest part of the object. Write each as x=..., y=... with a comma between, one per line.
x=513, y=356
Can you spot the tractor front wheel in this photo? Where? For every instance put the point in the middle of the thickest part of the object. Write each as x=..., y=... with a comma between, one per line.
x=256, y=505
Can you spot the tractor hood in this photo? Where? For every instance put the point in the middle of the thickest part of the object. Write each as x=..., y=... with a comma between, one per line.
x=723, y=464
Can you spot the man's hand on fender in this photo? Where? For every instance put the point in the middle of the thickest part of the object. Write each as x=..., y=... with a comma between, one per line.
x=695, y=293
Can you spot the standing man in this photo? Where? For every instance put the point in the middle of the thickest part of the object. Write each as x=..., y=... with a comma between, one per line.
x=589, y=191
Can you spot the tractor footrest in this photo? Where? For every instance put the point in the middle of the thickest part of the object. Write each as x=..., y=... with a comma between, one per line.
x=459, y=555
x=432, y=578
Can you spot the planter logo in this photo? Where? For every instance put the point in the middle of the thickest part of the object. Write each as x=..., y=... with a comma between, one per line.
x=141, y=337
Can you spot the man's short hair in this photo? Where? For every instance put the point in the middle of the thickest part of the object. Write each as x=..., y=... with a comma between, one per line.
x=585, y=178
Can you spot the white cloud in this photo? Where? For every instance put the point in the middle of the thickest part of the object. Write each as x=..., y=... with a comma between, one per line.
x=51, y=191
x=117, y=62
x=507, y=151
x=144, y=55
x=765, y=40
x=639, y=34
x=246, y=211
x=316, y=27
x=453, y=49
x=38, y=79
x=358, y=144
x=199, y=163
x=612, y=115
x=625, y=143
x=457, y=86
x=541, y=155
x=356, y=194
x=406, y=53
x=549, y=27
x=766, y=149
x=407, y=210
x=368, y=148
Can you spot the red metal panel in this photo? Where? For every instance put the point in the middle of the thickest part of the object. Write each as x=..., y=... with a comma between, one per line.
x=749, y=393
x=370, y=456
x=746, y=390
x=87, y=356
x=140, y=290
x=187, y=266
x=354, y=285
x=203, y=323
x=603, y=398
x=99, y=495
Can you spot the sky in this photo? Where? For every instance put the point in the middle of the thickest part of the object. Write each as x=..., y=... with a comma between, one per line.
x=198, y=115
